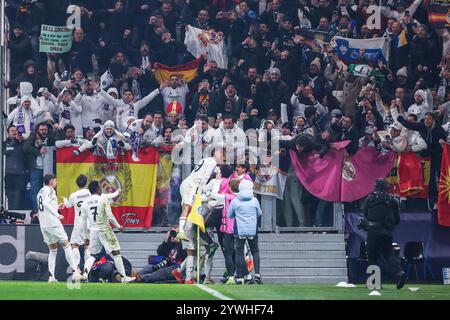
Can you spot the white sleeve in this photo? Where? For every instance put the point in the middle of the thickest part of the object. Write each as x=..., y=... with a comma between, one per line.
x=49, y=205
x=111, y=216
x=76, y=107
x=420, y=144
x=111, y=195
x=70, y=202
x=284, y=113
x=86, y=145
x=294, y=100
x=320, y=108
x=147, y=99
x=11, y=116
x=109, y=99
x=413, y=7
x=63, y=143
x=78, y=99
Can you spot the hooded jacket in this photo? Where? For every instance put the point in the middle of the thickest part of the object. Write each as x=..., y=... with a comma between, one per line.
x=246, y=209
x=36, y=80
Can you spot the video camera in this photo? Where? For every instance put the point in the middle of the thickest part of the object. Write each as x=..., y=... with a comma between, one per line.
x=366, y=225
x=10, y=215
x=172, y=233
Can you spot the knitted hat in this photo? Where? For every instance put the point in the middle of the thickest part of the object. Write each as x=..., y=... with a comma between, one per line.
x=109, y=124
x=420, y=93
x=276, y=70
x=316, y=62
x=402, y=72
x=113, y=90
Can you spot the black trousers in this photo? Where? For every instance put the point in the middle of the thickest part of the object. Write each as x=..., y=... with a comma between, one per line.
x=240, y=264
x=380, y=245
x=15, y=188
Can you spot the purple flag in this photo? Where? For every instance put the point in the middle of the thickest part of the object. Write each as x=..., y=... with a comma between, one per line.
x=338, y=177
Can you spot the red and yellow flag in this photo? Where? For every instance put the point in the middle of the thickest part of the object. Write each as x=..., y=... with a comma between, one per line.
x=187, y=71
x=444, y=189
x=410, y=176
x=133, y=207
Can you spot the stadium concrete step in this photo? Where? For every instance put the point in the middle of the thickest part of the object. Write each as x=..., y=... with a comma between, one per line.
x=219, y=262
x=264, y=246
x=285, y=258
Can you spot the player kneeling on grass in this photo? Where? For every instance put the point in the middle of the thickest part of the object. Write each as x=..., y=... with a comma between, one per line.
x=97, y=211
x=245, y=209
x=52, y=229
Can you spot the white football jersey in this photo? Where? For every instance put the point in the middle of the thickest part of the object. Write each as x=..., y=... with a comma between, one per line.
x=202, y=171
x=76, y=200
x=98, y=211
x=48, y=208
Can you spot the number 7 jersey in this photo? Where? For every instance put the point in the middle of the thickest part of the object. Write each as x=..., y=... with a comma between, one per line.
x=97, y=213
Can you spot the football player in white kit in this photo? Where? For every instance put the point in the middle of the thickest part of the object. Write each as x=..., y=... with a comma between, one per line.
x=189, y=188
x=97, y=213
x=52, y=228
x=194, y=183
x=78, y=237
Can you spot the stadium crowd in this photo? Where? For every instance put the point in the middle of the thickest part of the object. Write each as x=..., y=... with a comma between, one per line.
x=103, y=94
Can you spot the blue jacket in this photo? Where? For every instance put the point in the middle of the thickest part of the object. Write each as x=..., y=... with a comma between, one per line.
x=246, y=209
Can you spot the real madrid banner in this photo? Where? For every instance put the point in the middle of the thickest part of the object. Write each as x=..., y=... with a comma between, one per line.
x=133, y=207
x=199, y=41
x=339, y=177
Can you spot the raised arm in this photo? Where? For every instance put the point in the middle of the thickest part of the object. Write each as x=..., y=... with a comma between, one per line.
x=147, y=99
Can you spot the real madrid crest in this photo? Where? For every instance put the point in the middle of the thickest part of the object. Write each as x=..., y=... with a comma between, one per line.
x=348, y=170
x=112, y=176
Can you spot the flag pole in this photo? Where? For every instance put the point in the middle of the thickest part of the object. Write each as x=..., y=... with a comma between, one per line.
x=198, y=255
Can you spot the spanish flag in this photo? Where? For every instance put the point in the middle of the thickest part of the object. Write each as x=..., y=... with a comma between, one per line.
x=133, y=207
x=444, y=189
x=195, y=216
x=187, y=71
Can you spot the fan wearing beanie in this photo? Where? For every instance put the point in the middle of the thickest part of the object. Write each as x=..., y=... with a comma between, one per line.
x=421, y=106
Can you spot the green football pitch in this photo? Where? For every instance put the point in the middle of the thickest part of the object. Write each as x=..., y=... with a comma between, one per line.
x=11, y=290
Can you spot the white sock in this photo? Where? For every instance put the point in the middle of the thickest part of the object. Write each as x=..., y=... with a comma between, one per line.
x=87, y=254
x=182, y=223
x=52, y=261
x=182, y=266
x=189, y=267
x=208, y=267
x=119, y=265
x=88, y=264
x=69, y=257
x=76, y=256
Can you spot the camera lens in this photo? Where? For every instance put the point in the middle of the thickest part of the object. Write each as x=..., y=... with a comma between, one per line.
x=173, y=233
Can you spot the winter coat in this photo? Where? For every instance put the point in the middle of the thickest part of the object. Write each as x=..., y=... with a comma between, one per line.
x=15, y=158
x=246, y=209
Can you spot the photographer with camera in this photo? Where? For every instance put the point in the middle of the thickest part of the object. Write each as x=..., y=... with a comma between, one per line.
x=381, y=215
x=163, y=266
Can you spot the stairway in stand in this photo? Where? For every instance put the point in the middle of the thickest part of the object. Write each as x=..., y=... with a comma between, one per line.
x=285, y=258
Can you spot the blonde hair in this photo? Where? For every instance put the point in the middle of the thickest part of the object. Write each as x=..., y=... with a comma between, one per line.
x=234, y=185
